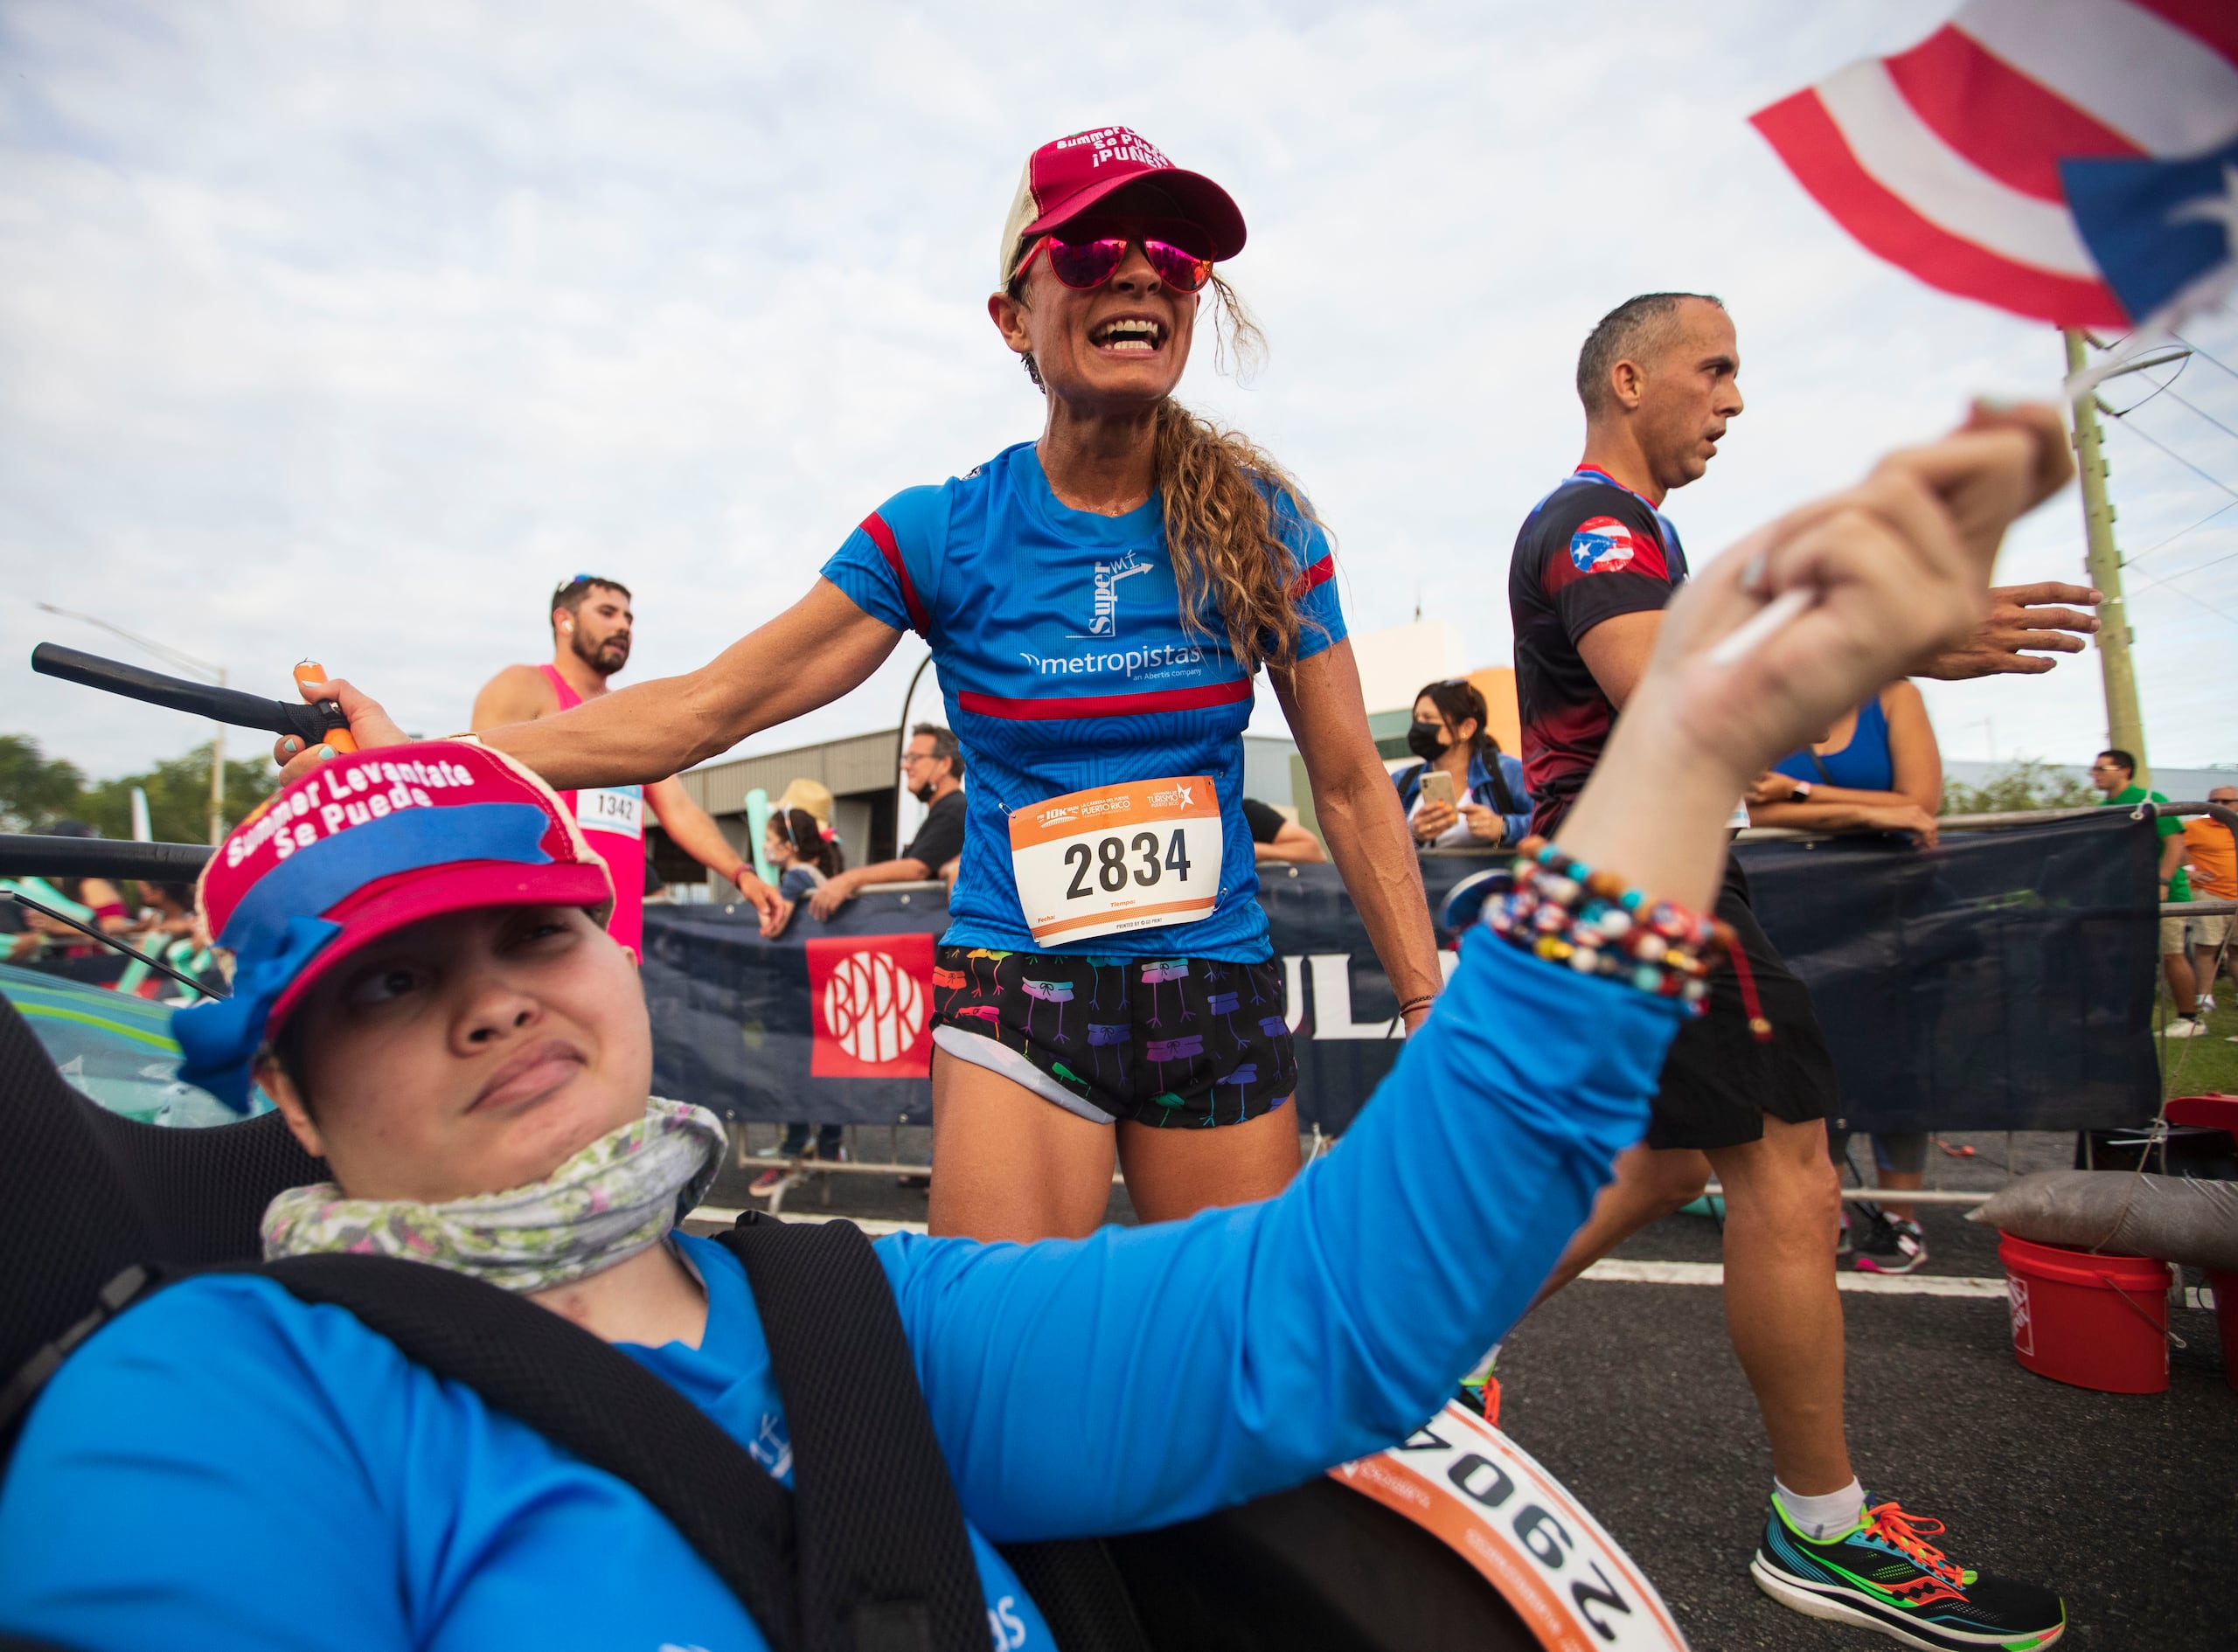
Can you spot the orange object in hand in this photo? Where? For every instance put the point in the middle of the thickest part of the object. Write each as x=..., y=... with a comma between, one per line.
x=311, y=675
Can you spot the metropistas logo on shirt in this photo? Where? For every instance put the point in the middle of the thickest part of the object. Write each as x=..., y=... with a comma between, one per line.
x=1103, y=627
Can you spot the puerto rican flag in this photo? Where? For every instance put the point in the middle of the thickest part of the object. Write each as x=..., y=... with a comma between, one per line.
x=2072, y=161
x=1602, y=544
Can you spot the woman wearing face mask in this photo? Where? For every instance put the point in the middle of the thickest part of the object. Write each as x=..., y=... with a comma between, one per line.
x=1098, y=603
x=428, y=995
x=1491, y=804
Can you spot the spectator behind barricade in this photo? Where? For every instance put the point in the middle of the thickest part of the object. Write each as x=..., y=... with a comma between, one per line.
x=933, y=768
x=45, y=944
x=1878, y=769
x=803, y=854
x=166, y=911
x=1484, y=800
x=165, y=927
x=2213, y=869
x=1274, y=836
x=2115, y=774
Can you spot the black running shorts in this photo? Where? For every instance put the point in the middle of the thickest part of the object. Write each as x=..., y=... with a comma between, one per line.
x=1720, y=1080
x=1160, y=1041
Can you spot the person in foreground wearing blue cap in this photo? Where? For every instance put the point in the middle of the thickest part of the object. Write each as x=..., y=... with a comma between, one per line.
x=425, y=989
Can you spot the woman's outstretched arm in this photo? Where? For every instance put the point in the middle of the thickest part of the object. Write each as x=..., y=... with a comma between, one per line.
x=1142, y=1376
x=809, y=655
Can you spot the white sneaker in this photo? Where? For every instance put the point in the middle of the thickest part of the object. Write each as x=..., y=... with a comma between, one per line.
x=2206, y=1005
x=2183, y=1027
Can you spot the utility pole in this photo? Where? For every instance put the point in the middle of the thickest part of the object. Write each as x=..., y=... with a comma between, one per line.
x=2125, y=720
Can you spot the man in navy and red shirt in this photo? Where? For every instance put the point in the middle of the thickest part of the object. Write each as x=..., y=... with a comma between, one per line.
x=1593, y=551
x=1745, y=1088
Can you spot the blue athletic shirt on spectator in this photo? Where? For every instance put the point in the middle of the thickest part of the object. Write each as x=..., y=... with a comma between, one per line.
x=1065, y=665
x=227, y=1466
x=1865, y=765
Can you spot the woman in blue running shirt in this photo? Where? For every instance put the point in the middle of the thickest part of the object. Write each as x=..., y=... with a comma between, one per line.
x=1098, y=602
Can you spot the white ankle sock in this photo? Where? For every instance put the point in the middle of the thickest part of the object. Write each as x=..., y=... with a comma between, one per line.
x=1823, y=1517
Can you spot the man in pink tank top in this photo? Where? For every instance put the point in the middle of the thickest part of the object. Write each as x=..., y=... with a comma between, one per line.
x=591, y=625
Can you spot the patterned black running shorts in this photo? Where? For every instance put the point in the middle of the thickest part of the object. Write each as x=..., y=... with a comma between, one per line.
x=1161, y=1041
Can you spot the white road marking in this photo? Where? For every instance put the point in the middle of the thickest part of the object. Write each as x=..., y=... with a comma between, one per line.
x=1630, y=1272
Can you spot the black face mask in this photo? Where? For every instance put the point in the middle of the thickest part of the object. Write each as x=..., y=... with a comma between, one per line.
x=1426, y=740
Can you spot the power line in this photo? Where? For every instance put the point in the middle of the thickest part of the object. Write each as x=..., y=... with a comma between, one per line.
x=2163, y=388
x=2186, y=573
x=2172, y=538
x=2188, y=597
x=2139, y=431
x=2201, y=412
x=2203, y=355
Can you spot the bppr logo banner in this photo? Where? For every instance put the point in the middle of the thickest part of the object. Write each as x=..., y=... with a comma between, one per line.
x=870, y=998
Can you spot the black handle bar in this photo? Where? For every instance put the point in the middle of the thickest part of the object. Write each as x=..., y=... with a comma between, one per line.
x=39, y=855
x=307, y=723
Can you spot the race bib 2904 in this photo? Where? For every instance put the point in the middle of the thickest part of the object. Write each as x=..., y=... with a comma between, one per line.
x=612, y=808
x=1138, y=856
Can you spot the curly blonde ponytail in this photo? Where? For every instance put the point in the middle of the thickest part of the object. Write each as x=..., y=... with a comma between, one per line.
x=1222, y=531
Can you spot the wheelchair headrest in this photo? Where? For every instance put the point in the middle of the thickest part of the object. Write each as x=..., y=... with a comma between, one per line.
x=86, y=1193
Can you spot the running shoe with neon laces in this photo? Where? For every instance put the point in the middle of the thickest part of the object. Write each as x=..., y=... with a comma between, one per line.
x=1891, y=1245
x=1480, y=1389
x=1884, y=1574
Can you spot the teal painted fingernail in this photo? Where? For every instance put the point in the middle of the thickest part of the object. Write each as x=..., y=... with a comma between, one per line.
x=291, y=745
x=324, y=753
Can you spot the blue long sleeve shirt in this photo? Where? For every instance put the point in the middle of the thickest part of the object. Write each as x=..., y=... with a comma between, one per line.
x=226, y=1465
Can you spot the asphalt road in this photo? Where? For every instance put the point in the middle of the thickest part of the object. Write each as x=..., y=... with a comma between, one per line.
x=1630, y=1393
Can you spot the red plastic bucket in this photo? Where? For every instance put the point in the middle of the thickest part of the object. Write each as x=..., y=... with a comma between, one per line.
x=2087, y=1318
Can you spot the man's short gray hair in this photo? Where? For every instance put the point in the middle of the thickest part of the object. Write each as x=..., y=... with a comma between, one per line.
x=1634, y=329
x=944, y=744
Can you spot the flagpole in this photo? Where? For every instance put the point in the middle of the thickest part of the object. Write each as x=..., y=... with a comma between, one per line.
x=2124, y=718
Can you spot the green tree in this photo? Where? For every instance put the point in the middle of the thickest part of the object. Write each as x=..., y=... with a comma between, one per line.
x=2030, y=783
x=178, y=798
x=34, y=787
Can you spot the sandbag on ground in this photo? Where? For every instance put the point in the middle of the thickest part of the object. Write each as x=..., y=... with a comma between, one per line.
x=2169, y=1216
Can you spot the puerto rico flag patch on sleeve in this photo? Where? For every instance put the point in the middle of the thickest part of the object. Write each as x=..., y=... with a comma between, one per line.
x=1602, y=545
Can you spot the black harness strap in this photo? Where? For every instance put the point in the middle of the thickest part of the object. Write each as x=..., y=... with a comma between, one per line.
x=886, y=1562
x=593, y=1400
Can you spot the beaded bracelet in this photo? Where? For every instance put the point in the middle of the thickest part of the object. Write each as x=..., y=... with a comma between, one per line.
x=1562, y=910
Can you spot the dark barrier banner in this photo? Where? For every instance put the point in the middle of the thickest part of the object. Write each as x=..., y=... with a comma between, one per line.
x=2003, y=983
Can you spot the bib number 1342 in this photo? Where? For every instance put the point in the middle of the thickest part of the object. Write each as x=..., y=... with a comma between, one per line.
x=1139, y=856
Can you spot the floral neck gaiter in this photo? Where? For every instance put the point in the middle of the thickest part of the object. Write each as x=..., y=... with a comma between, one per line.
x=618, y=1197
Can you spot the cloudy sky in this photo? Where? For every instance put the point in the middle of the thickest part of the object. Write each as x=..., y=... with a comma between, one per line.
x=346, y=330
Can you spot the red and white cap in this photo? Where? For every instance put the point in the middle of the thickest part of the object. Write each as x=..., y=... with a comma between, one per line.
x=1064, y=179
x=358, y=848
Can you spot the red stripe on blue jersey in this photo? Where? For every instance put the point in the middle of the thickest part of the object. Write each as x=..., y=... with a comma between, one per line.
x=1318, y=574
x=882, y=536
x=1057, y=709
